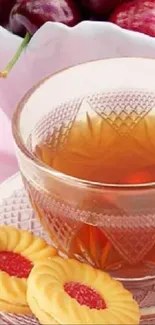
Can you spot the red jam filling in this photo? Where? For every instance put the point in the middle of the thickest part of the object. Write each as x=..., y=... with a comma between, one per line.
x=84, y=295
x=15, y=264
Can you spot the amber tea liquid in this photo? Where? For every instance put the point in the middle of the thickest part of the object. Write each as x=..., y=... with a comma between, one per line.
x=112, y=152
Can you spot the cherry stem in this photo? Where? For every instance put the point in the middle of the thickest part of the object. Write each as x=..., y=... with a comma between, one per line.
x=5, y=72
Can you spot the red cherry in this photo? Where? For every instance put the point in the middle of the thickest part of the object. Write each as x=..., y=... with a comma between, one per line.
x=27, y=16
x=136, y=15
x=30, y=15
x=99, y=8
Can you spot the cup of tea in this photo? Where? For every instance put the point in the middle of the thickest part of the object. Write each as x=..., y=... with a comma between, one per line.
x=85, y=144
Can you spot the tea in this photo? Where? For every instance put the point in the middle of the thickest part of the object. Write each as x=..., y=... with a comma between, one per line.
x=101, y=150
x=116, y=150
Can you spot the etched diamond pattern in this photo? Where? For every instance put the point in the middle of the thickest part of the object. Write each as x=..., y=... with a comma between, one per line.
x=16, y=210
x=132, y=239
x=49, y=125
x=122, y=109
x=64, y=231
x=132, y=235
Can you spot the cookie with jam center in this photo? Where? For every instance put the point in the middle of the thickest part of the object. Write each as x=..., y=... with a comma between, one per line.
x=65, y=291
x=19, y=251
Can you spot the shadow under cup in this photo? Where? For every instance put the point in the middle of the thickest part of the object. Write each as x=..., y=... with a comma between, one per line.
x=108, y=225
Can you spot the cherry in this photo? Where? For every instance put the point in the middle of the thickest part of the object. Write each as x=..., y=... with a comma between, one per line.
x=100, y=8
x=27, y=16
x=30, y=15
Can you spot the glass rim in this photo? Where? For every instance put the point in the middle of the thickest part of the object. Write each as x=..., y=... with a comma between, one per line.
x=53, y=172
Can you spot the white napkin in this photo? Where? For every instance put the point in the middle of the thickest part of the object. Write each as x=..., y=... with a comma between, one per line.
x=52, y=48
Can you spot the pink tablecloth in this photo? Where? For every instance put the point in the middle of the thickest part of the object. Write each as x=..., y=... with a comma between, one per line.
x=55, y=47
x=8, y=163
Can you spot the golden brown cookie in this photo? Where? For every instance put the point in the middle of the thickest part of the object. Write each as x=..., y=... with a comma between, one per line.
x=69, y=292
x=19, y=251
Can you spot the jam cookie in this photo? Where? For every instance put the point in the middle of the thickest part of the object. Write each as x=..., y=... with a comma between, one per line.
x=19, y=251
x=69, y=292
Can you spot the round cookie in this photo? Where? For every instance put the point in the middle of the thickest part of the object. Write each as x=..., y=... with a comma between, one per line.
x=69, y=292
x=19, y=251
x=43, y=317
